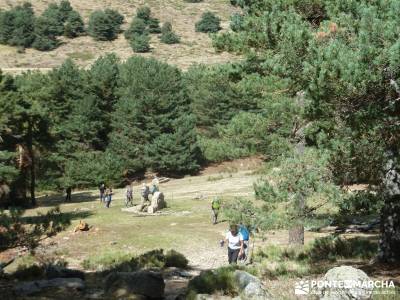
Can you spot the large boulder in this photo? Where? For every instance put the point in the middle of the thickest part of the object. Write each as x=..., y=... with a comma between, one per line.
x=33, y=287
x=157, y=203
x=346, y=283
x=144, y=283
x=250, y=287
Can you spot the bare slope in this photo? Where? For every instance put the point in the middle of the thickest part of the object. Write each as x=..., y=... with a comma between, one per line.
x=194, y=48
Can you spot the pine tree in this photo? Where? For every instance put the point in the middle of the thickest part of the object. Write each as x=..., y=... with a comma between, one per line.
x=102, y=26
x=209, y=23
x=143, y=13
x=27, y=129
x=288, y=190
x=65, y=10
x=54, y=17
x=140, y=43
x=74, y=25
x=167, y=35
x=45, y=34
x=6, y=26
x=154, y=25
x=23, y=26
x=137, y=27
x=149, y=103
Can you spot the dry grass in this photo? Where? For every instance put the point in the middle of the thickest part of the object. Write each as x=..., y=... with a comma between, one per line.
x=194, y=47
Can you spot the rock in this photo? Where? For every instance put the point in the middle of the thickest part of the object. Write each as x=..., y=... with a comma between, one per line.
x=53, y=272
x=348, y=282
x=146, y=283
x=214, y=297
x=157, y=203
x=32, y=287
x=250, y=286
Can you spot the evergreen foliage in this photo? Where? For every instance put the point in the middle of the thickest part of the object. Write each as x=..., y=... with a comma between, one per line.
x=46, y=32
x=167, y=35
x=55, y=17
x=105, y=25
x=144, y=13
x=157, y=108
x=17, y=26
x=154, y=25
x=140, y=43
x=74, y=25
x=137, y=27
x=209, y=23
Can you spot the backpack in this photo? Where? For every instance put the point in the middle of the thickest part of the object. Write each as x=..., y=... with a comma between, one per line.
x=244, y=232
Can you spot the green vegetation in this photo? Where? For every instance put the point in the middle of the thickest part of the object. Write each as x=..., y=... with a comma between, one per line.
x=140, y=43
x=208, y=282
x=74, y=25
x=124, y=262
x=20, y=27
x=209, y=23
x=105, y=25
x=167, y=35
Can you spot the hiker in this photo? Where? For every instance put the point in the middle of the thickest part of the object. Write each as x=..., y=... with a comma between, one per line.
x=215, y=206
x=129, y=195
x=102, y=189
x=108, y=197
x=154, y=185
x=145, y=192
x=68, y=192
x=244, y=232
x=235, y=244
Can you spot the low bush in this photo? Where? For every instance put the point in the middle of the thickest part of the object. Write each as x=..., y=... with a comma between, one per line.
x=175, y=259
x=140, y=43
x=125, y=262
x=209, y=282
x=209, y=23
x=137, y=27
x=167, y=35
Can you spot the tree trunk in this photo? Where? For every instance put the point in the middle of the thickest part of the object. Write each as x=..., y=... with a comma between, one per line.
x=389, y=244
x=296, y=235
x=32, y=165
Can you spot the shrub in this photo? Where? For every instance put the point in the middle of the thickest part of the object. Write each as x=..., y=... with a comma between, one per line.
x=209, y=282
x=209, y=23
x=236, y=23
x=23, y=23
x=55, y=18
x=45, y=32
x=167, y=35
x=175, y=259
x=65, y=9
x=333, y=247
x=140, y=43
x=116, y=18
x=137, y=27
x=104, y=26
x=154, y=25
x=74, y=25
x=143, y=13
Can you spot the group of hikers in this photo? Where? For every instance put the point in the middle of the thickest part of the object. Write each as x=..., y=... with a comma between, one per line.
x=106, y=193
x=237, y=238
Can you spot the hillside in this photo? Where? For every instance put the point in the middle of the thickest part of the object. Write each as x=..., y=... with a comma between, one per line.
x=194, y=47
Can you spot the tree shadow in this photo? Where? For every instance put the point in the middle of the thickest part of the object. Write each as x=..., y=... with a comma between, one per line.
x=79, y=197
x=61, y=218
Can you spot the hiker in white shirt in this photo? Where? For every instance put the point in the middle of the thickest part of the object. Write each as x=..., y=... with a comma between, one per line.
x=235, y=244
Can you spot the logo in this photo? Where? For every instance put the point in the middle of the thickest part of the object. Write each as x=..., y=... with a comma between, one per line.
x=302, y=287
